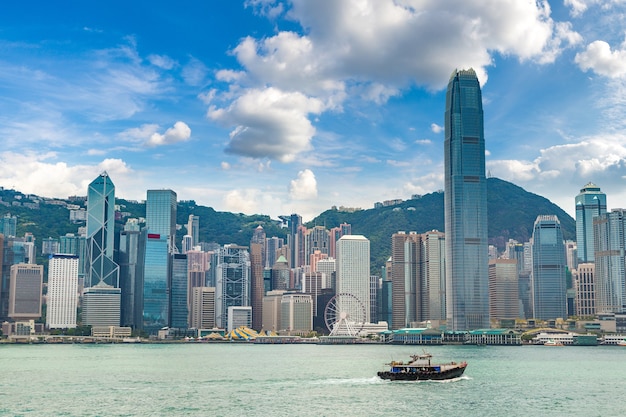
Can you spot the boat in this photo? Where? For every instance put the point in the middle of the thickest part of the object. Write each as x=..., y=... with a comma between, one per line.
x=552, y=342
x=421, y=368
x=621, y=342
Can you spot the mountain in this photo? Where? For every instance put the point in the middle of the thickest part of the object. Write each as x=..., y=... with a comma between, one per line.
x=511, y=212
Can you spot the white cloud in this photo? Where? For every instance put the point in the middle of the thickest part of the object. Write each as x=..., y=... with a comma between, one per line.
x=194, y=72
x=599, y=58
x=578, y=7
x=162, y=61
x=436, y=128
x=304, y=187
x=269, y=123
x=180, y=132
x=225, y=165
x=424, y=142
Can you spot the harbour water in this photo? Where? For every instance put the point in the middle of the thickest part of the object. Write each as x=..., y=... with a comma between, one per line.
x=305, y=380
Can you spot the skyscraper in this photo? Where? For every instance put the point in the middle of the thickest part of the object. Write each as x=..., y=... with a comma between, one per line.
x=548, y=283
x=25, y=291
x=590, y=203
x=353, y=272
x=433, y=276
x=256, y=287
x=610, y=262
x=100, y=232
x=465, y=202
x=62, y=292
x=193, y=229
x=405, y=274
x=230, y=267
x=503, y=289
x=161, y=214
x=179, y=304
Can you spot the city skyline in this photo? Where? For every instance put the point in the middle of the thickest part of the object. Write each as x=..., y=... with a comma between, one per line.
x=273, y=107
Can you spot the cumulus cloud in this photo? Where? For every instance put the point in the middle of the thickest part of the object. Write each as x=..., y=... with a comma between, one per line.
x=599, y=58
x=270, y=123
x=304, y=187
x=435, y=128
x=578, y=7
x=148, y=134
x=180, y=132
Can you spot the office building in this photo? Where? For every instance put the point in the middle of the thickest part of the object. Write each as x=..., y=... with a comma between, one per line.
x=584, y=284
x=203, y=308
x=503, y=289
x=130, y=281
x=25, y=292
x=281, y=274
x=610, y=261
x=100, y=233
x=548, y=273
x=9, y=225
x=230, y=267
x=239, y=316
x=179, y=313
x=590, y=203
x=154, y=274
x=62, y=298
x=406, y=253
x=353, y=273
x=101, y=305
x=193, y=229
x=257, y=288
x=272, y=302
x=296, y=315
x=433, y=268
x=161, y=215
x=465, y=205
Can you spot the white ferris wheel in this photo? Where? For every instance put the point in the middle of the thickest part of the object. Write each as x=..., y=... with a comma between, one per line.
x=345, y=315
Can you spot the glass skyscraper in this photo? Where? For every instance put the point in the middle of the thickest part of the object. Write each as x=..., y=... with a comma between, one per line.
x=154, y=274
x=610, y=262
x=465, y=202
x=100, y=233
x=179, y=313
x=590, y=203
x=548, y=284
x=161, y=214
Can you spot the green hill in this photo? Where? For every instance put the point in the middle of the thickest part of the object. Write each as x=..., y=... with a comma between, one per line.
x=511, y=210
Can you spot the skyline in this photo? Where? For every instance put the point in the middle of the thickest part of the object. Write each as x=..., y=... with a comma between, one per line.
x=273, y=107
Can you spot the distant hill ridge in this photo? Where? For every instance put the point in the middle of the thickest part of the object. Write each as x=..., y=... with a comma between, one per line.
x=511, y=214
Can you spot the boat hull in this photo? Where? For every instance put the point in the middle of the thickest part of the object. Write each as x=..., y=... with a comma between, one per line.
x=423, y=375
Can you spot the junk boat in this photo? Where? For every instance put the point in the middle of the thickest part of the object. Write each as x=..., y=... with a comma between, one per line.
x=421, y=368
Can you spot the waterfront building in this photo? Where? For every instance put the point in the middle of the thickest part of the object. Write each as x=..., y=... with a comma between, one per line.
x=584, y=284
x=25, y=291
x=14, y=251
x=155, y=274
x=610, y=261
x=548, y=274
x=503, y=289
x=465, y=205
x=230, y=267
x=590, y=203
x=101, y=305
x=433, y=276
x=130, y=281
x=239, y=316
x=179, y=313
x=256, y=277
x=296, y=316
x=203, y=308
x=353, y=273
x=62, y=298
x=406, y=254
x=100, y=233
x=272, y=310
x=193, y=229
x=161, y=215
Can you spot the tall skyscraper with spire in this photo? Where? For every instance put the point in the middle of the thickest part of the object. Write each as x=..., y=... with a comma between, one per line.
x=590, y=203
x=100, y=233
x=465, y=202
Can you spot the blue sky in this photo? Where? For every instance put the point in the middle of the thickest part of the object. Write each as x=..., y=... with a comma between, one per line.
x=274, y=107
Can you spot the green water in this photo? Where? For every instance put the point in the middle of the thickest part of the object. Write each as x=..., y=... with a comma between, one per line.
x=303, y=380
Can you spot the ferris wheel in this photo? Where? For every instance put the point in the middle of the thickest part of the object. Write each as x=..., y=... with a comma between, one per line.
x=345, y=315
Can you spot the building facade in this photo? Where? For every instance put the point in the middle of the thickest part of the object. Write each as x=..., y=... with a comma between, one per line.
x=25, y=291
x=590, y=203
x=503, y=289
x=203, y=308
x=296, y=314
x=62, y=299
x=610, y=261
x=465, y=205
x=230, y=267
x=584, y=284
x=101, y=305
x=353, y=273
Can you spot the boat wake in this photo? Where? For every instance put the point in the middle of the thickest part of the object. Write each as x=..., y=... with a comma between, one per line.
x=430, y=381
x=350, y=381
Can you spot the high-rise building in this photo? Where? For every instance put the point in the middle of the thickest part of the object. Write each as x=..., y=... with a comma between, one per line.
x=74, y=244
x=193, y=229
x=203, y=308
x=100, y=233
x=101, y=305
x=465, y=203
x=548, y=273
x=433, y=276
x=130, y=282
x=293, y=222
x=62, y=299
x=281, y=274
x=154, y=274
x=312, y=284
x=25, y=291
x=179, y=313
x=328, y=268
x=406, y=253
x=9, y=225
x=590, y=203
x=273, y=245
x=161, y=215
x=230, y=267
x=353, y=273
x=257, y=289
x=197, y=267
x=187, y=244
x=272, y=310
x=316, y=239
x=584, y=284
x=503, y=289
x=239, y=316
x=610, y=261
x=296, y=316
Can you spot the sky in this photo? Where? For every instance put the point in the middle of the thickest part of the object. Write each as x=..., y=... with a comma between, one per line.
x=278, y=107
